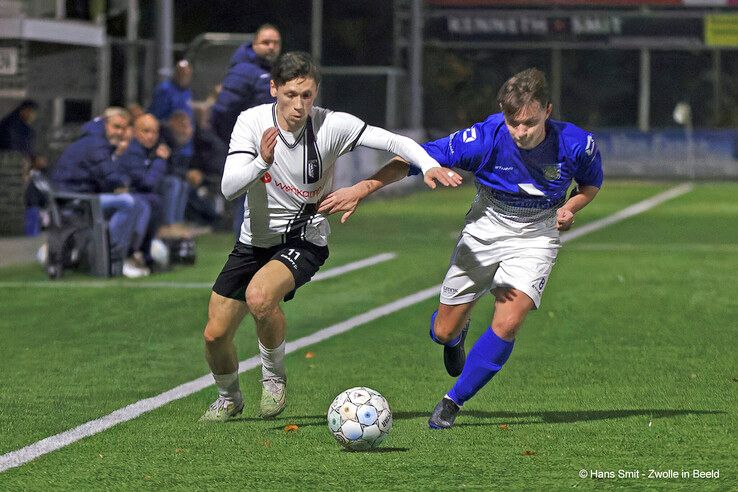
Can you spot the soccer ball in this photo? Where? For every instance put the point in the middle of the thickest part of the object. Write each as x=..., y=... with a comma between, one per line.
x=359, y=418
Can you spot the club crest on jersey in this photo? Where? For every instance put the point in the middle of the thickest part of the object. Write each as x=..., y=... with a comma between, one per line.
x=266, y=178
x=590, y=148
x=552, y=173
x=312, y=170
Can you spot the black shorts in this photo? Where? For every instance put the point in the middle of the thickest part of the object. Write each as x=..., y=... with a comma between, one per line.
x=303, y=258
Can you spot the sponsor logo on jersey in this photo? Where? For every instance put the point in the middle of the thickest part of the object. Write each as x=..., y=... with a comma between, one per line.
x=297, y=191
x=590, y=148
x=266, y=178
x=451, y=142
x=552, y=173
x=469, y=135
x=449, y=291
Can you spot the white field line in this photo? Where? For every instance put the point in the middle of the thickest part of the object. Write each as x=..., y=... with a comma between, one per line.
x=102, y=284
x=24, y=455
x=730, y=248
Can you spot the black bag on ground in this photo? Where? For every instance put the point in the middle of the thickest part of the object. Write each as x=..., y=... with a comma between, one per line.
x=181, y=250
x=67, y=244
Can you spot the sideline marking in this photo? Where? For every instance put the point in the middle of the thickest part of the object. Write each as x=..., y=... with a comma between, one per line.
x=32, y=451
x=101, y=284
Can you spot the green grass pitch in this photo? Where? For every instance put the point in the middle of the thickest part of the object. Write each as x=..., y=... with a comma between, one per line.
x=629, y=366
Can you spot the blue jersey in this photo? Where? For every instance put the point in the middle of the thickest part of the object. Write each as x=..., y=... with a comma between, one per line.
x=537, y=178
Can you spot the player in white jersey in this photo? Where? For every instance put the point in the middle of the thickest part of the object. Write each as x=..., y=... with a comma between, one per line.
x=280, y=162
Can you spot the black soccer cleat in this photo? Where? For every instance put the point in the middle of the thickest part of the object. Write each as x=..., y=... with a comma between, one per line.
x=454, y=357
x=444, y=414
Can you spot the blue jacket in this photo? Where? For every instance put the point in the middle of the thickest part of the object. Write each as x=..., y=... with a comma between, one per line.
x=181, y=158
x=245, y=85
x=169, y=97
x=95, y=126
x=89, y=165
x=144, y=169
x=16, y=134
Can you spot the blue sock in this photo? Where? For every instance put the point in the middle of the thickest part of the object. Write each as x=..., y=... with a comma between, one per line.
x=451, y=343
x=485, y=359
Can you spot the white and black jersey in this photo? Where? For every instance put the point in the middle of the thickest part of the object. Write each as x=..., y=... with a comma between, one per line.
x=280, y=199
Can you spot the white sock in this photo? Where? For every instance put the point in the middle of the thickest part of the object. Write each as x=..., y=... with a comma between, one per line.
x=228, y=386
x=272, y=362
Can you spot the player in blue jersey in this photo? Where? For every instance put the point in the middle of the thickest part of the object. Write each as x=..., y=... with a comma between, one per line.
x=523, y=163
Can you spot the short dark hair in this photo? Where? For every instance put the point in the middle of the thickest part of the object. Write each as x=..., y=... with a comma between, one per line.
x=295, y=65
x=522, y=89
x=27, y=104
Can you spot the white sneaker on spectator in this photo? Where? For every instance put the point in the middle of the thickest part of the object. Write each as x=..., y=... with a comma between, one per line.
x=132, y=270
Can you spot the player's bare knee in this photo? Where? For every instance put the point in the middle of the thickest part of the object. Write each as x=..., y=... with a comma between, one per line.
x=260, y=303
x=214, y=335
x=443, y=332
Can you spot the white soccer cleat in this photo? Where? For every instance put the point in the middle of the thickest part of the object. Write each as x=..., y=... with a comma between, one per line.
x=273, y=397
x=222, y=409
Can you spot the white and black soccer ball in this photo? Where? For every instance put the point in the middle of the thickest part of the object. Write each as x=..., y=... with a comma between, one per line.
x=360, y=418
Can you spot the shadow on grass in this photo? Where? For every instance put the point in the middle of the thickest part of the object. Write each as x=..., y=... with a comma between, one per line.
x=516, y=418
x=379, y=450
x=563, y=417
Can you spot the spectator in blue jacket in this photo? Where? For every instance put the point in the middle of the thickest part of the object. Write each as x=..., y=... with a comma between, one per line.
x=175, y=134
x=173, y=94
x=144, y=162
x=247, y=82
x=89, y=165
x=246, y=85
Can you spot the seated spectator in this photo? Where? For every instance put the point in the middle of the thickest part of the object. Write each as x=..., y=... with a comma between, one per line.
x=205, y=204
x=144, y=162
x=178, y=137
x=89, y=165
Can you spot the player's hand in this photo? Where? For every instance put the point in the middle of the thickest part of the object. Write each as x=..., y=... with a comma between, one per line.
x=564, y=219
x=443, y=175
x=268, y=142
x=341, y=200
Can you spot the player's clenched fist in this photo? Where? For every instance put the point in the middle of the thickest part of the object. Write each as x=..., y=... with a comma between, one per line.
x=268, y=142
x=564, y=219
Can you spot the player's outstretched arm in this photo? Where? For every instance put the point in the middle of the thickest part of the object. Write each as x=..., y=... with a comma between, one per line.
x=347, y=199
x=409, y=150
x=443, y=175
x=565, y=214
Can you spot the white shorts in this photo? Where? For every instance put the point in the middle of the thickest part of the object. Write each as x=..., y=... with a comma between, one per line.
x=495, y=252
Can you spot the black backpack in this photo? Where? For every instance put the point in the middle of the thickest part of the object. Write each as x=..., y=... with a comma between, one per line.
x=181, y=250
x=68, y=243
